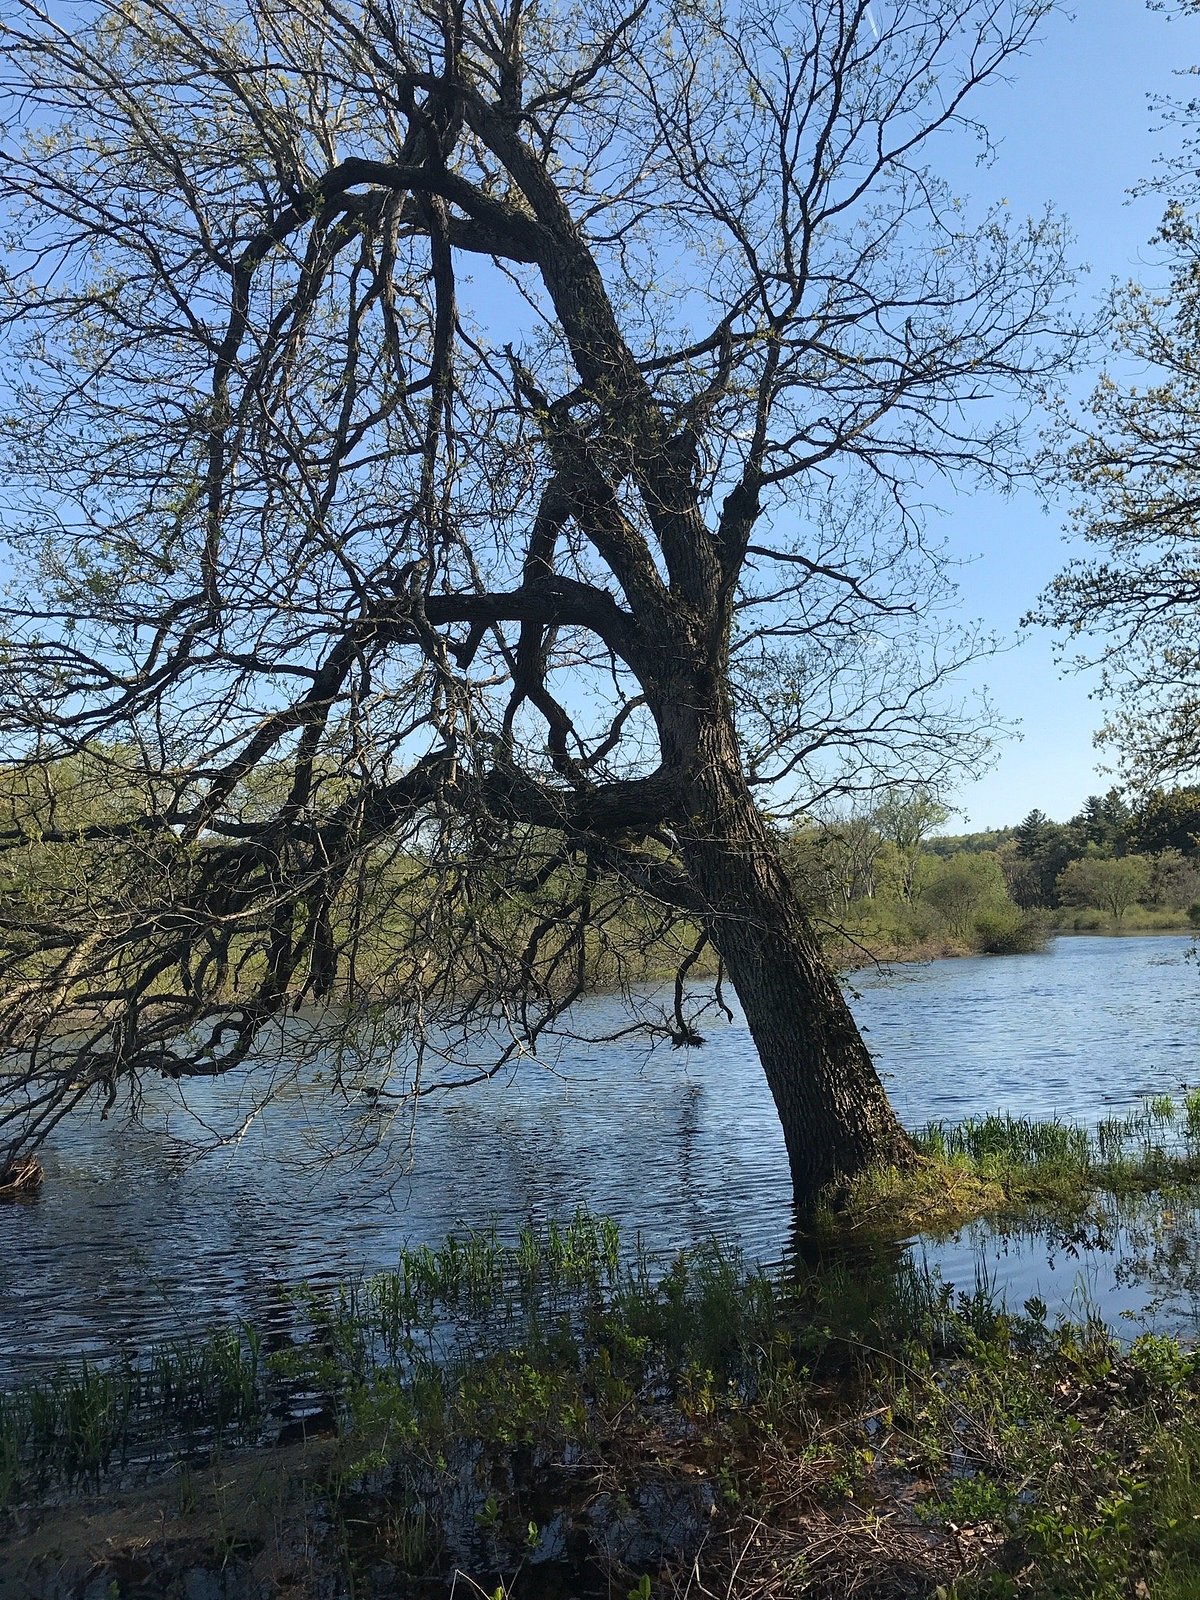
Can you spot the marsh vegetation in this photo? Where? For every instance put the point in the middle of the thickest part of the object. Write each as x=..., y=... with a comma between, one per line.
x=580, y=1407
x=563, y=1414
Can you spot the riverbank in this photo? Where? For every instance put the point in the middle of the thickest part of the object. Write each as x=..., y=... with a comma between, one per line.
x=1140, y=919
x=852, y=949
x=901, y=933
x=1000, y=1167
x=565, y=1416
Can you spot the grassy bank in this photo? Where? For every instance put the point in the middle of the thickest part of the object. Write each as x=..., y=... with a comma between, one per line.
x=879, y=942
x=889, y=930
x=562, y=1416
x=882, y=931
x=1138, y=919
x=1003, y=1166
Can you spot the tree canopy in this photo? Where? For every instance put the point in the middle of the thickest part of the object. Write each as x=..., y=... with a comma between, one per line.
x=468, y=451
x=1112, y=884
x=1132, y=456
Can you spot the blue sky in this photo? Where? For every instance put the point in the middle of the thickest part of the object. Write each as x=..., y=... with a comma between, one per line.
x=1074, y=127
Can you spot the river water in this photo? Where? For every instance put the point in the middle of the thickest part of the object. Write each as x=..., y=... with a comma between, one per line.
x=157, y=1230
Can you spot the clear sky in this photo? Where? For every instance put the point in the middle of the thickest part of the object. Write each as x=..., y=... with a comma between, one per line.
x=1075, y=128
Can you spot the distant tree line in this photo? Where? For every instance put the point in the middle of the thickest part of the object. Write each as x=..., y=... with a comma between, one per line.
x=885, y=875
x=1111, y=856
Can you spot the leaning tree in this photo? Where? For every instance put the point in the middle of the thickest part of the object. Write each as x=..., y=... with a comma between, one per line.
x=458, y=454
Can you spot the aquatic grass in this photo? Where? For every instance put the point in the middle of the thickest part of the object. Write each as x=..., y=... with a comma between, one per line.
x=385, y=1348
x=76, y=1425
x=471, y=1291
x=210, y=1384
x=937, y=1191
x=67, y=1428
x=707, y=1310
x=1000, y=1141
x=12, y=1438
x=693, y=1421
x=1001, y=1165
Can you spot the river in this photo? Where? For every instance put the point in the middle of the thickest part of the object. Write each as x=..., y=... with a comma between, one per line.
x=149, y=1232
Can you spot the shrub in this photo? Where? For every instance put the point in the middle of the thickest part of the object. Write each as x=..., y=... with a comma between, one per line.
x=1005, y=931
x=962, y=887
x=1088, y=921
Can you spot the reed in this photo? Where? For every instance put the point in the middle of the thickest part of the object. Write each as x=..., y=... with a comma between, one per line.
x=1000, y=1165
x=853, y=1425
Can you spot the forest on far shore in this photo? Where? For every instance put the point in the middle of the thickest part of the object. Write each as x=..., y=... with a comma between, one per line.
x=884, y=878
x=881, y=880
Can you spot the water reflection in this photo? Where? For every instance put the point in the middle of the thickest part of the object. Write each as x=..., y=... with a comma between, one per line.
x=136, y=1236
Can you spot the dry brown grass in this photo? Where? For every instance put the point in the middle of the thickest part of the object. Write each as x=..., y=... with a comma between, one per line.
x=21, y=1179
x=796, y=1537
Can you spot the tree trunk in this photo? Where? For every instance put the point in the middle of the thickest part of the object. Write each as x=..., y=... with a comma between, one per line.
x=836, y=1117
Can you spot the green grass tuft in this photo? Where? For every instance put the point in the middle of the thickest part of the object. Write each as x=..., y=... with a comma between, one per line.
x=999, y=1165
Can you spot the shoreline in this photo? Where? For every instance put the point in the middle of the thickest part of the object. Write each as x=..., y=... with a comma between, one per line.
x=852, y=1429
x=952, y=950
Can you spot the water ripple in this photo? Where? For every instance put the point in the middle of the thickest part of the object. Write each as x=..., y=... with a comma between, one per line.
x=136, y=1237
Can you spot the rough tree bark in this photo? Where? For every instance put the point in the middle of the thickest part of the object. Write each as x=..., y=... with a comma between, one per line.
x=836, y=1118
x=835, y=1114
